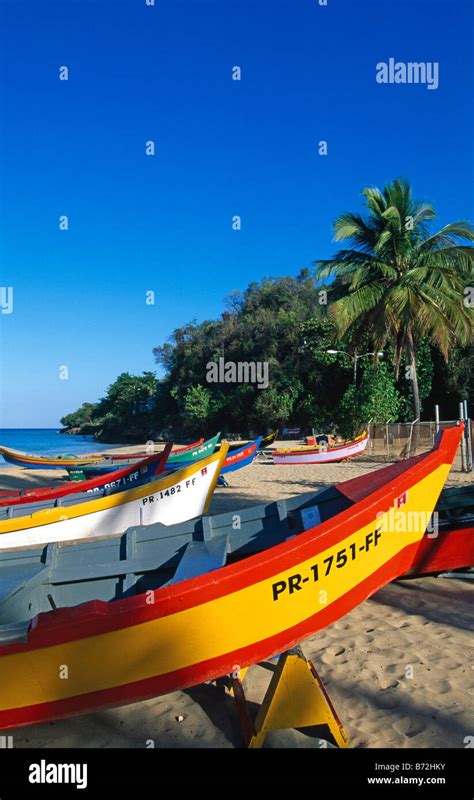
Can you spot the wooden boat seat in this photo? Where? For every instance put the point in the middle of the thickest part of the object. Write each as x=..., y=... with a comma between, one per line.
x=15, y=578
x=201, y=557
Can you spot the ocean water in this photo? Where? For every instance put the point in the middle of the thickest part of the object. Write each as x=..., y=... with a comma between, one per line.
x=47, y=440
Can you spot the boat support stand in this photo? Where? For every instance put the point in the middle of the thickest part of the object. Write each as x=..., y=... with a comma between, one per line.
x=295, y=698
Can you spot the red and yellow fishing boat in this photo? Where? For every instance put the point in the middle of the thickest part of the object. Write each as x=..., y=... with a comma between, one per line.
x=209, y=616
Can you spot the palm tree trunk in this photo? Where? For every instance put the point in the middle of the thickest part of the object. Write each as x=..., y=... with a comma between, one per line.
x=416, y=389
x=413, y=375
x=398, y=355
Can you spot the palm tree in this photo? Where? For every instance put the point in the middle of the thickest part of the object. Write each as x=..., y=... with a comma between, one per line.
x=399, y=281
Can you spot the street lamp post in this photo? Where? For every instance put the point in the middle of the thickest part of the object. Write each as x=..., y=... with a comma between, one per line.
x=356, y=358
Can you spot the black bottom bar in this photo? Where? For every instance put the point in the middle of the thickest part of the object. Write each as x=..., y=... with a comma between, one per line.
x=434, y=773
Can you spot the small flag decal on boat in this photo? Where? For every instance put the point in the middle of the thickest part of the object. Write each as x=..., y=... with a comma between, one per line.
x=402, y=499
x=204, y=471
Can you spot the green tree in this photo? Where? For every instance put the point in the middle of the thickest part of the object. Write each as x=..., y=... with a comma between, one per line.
x=424, y=368
x=79, y=418
x=197, y=407
x=274, y=406
x=400, y=281
x=124, y=412
x=261, y=324
x=127, y=396
x=376, y=399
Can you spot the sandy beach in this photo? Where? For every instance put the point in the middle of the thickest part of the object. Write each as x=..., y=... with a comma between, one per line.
x=399, y=667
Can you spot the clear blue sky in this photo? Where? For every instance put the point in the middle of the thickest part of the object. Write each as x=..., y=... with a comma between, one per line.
x=222, y=148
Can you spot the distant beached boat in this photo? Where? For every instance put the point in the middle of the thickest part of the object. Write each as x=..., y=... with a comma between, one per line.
x=321, y=454
x=182, y=457
x=31, y=461
x=146, y=454
x=242, y=457
x=268, y=440
x=161, y=609
x=63, y=461
x=124, y=478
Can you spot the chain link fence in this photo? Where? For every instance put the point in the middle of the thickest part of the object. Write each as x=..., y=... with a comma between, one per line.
x=394, y=441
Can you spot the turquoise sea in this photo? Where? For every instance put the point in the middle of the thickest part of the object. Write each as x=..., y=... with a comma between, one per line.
x=47, y=440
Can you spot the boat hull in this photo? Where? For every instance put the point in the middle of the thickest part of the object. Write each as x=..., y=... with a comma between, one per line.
x=195, y=451
x=30, y=461
x=320, y=455
x=269, y=439
x=195, y=454
x=237, y=459
x=135, y=456
x=176, y=497
x=449, y=549
x=210, y=625
x=449, y=542
x=242, y=457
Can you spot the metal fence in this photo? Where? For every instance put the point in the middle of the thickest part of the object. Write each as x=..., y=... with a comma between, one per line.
x=398, y=440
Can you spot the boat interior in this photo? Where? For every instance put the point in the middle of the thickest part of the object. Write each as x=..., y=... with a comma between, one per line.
x=64, y=574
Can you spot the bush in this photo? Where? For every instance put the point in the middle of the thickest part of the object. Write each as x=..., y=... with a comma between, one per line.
x=375, y=399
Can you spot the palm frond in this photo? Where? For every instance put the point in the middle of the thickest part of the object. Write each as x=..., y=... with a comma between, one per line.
x=355, y=305
x=449, y=236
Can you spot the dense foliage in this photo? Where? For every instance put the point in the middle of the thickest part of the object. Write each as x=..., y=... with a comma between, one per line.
x=375, y=399
x=265, y=325
x=123, y=414
x=80, y=418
